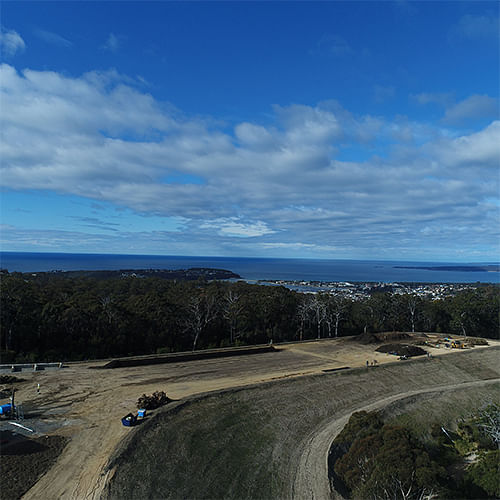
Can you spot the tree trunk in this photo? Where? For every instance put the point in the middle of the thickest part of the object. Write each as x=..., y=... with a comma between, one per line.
x=196, y=339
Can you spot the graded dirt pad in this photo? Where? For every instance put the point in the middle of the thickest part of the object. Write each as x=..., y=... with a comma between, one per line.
x=87, y=405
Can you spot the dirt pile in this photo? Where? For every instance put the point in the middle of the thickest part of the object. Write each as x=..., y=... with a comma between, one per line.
x=476, y=341
x=10, y=379
x=187, y=356
x=402, y=349
x=23, y=460
x=376, y=338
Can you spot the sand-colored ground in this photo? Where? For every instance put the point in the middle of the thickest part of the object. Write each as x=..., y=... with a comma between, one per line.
x=86, y=405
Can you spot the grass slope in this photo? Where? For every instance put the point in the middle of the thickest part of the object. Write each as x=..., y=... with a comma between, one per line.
x=246, y=443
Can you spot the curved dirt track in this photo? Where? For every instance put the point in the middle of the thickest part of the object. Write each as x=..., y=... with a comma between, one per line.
x=311, y=480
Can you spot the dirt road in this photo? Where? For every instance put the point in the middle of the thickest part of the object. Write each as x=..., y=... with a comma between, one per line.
x=86, y=405
x=312, y=472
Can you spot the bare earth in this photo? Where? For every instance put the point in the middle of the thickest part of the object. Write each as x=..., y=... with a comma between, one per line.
x=87, y=405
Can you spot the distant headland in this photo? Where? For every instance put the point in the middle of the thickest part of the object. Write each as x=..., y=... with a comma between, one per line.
x=191, y=274
x=493, y=268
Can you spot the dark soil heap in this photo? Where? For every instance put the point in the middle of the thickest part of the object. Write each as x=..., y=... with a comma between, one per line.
x=24, y=460
x=376, y=338
x=402, y=349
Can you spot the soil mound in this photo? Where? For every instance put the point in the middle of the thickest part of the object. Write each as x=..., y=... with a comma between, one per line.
x=24, y=460
x=402, y=349
x=393, y=336
x=366, y=338
x=376, y=338
x=187, y=356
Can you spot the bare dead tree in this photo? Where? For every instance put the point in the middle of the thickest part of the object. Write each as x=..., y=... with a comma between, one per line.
x=462, y=323
x=405, y=490
x=107, y=304
x=319, y=312
x=335, y=312
x=489, y=421
x=201, y=310
x=412, y=307
x=232, y=309
x=367, y=314
x=303, y=313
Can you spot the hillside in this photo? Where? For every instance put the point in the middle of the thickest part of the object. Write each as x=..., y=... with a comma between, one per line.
x=258, y=442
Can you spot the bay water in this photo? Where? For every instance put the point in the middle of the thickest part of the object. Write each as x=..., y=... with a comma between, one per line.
x=252, y=269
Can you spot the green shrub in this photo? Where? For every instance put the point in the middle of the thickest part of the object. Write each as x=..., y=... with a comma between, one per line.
x=163, y=350
x=486, y=473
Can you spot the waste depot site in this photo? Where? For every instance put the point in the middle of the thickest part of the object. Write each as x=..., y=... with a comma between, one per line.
x=80, y=409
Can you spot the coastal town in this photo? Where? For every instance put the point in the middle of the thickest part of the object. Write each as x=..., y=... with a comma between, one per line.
x=362, y=290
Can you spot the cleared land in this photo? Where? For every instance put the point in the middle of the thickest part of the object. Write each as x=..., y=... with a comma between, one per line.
x=243, y=443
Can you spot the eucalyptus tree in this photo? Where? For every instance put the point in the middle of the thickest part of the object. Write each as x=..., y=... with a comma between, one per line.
x=335, y=308
x=412, y=302
x=318, y=309
x=303, y=313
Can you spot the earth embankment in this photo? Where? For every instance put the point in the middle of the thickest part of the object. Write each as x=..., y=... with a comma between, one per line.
x=272, y=440
x=186, y=356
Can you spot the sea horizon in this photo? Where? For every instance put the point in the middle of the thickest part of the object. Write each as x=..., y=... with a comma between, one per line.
x=255, y=268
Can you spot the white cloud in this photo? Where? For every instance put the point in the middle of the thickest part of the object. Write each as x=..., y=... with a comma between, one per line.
x=53, y=38
x=254, y=136
x=282, y=185
x=481, y=149
x=475, y=27
x=113, y=42
x=441, y=98
x=334, y=45
x=474, y=106
x=11, y=42
x=236, y=228
x=383, y=92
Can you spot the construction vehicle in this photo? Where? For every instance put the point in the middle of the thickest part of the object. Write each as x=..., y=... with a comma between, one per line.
x=7, y=410
x=11, y=410
x=129, y=420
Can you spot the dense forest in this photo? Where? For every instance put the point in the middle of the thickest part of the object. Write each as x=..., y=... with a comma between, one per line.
x=58, y=318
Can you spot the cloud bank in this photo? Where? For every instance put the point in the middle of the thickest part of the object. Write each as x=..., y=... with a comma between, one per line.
x=315, y=181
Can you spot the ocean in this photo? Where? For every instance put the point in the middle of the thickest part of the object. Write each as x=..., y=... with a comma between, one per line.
x=251, y=269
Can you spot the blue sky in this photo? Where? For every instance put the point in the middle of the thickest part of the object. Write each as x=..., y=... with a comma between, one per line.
x=287, y=129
